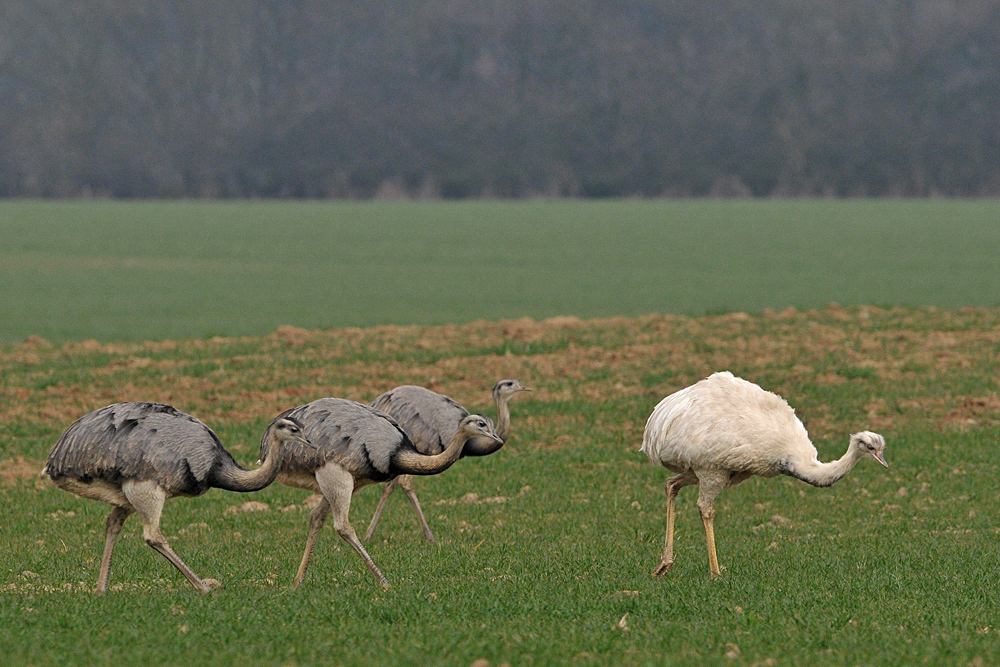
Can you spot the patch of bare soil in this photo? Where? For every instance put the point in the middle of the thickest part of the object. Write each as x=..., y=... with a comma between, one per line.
x=292, y=335
x=19, y=468
x=248, y=506
x=973, y=411
x=908, y=357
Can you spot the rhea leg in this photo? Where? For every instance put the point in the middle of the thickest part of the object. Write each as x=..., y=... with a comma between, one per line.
x=673, y=487
x=711, y=484
x=147, y=498
x=316, y=521
x=337, y=486
x=410, y=489
x=113, y=526
x=387, y=490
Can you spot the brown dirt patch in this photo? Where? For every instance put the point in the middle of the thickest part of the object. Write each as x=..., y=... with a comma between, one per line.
x=17, y=469
x=920, y=362
x=292, y=335
x=973, y=411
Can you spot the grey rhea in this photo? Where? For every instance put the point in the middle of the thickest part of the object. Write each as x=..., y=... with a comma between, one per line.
x=356, y=445
x=723, y=430
x=430, y=420
x=135, y=456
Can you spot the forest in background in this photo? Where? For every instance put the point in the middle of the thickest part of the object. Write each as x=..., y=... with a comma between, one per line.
x=520, y=98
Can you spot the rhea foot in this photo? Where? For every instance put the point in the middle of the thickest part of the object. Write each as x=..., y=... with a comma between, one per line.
x=663, y=568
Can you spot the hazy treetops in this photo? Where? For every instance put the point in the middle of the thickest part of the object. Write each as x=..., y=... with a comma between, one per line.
x=383, y=98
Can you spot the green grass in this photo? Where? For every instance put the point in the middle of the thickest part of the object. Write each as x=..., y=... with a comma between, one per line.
x=538, y=580
x=160, y=270
x=888, y=566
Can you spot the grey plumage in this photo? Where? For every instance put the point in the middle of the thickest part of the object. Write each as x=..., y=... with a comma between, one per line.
x=430, y=420
x=141, y=441
x=357, y=445
x=135, y=456
x=357, y=437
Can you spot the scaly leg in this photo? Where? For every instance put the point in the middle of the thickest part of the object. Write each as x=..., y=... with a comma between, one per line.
x=712, y=484
x=147, y=498
x=410, y=489
x=672, y=488
x=337, y=486
x=316, y=521
x=387, y=490
x=113, y=526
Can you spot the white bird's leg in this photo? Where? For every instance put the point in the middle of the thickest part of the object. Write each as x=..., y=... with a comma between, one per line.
x=673, y=487
x=147, y=498
x=410, y=489
x=711, y=484
x=316, y=521
x=113, y=526
x=337, y=486
x=387, y=490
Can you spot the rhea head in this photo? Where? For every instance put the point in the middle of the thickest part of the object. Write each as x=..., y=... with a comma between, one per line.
x=507, y=388
x=870, y=444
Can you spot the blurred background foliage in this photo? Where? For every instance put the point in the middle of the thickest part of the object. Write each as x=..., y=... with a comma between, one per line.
x=399, y=99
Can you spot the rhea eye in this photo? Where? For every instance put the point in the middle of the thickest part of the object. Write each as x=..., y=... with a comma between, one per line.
x=870, y=448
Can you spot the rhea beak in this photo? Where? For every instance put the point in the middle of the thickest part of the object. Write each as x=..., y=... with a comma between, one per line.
x=496, y=437
x=880, y=457
x=523, y=388
x=305, y=442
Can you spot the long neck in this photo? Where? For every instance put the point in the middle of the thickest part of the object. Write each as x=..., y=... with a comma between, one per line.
x=503, y=418
x=412, y=462
x=483, y=446
x=826, y=474
x=232, y=477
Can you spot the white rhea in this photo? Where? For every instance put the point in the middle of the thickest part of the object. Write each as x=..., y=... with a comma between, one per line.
x=721, y=431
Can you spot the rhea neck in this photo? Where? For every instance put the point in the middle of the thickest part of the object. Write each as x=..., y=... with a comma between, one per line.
x=825, y=474
x=231, y=477
x=483, y=446
x=412, y=462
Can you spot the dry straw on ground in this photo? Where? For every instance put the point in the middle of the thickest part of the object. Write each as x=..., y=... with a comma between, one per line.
x=919, y=353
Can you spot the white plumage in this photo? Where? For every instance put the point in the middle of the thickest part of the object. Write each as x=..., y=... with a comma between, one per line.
x=721, y=431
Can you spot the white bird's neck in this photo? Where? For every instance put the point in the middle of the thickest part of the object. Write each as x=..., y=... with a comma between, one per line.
x=825, y=474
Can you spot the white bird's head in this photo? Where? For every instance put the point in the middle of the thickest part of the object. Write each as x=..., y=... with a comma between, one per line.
x=870, y=444
x=507, y=388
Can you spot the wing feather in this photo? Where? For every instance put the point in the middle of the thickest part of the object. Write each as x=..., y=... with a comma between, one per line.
x=430, y=419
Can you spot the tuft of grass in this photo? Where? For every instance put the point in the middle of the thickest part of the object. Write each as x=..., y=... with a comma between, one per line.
x=856, y=373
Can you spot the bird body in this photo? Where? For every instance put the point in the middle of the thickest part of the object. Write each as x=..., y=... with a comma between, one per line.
x=431, y=420
x=139, y=441
x=723, y=430
x=135, y=456
x=355, y=436
x=727, y=423
x=357, y=445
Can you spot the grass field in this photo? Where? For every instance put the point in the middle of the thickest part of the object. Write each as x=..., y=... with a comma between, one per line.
x=886, y=567
x=168, y=270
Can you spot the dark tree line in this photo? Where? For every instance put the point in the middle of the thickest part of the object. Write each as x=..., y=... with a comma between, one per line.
x=393, y=98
